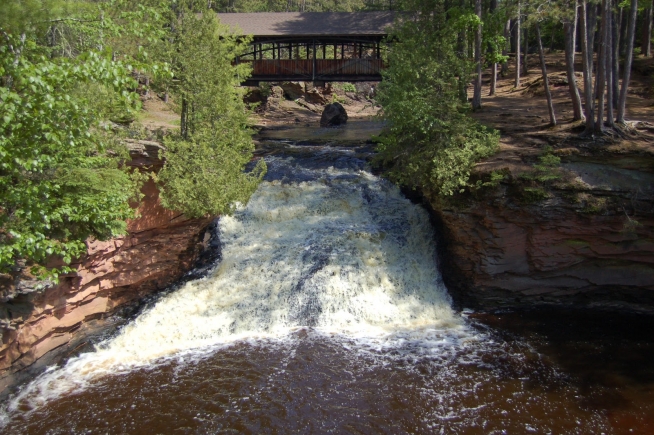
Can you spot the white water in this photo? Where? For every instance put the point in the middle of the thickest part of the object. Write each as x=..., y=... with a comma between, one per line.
x=344, y=253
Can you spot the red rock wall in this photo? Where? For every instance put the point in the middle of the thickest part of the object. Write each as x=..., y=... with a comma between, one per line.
x=497, y=253
x=160, y=247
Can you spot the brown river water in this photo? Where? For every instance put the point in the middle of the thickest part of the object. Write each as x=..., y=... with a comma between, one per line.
x=327, y=315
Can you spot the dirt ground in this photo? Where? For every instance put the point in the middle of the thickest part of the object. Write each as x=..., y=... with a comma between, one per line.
x=283, y=111
x=158, y=115
x=522, y=118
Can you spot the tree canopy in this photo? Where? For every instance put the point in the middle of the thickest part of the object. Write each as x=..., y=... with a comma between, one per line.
x=67, y=83
x=431, y=142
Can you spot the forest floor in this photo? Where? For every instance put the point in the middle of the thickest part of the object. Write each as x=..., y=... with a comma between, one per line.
x=521, y=116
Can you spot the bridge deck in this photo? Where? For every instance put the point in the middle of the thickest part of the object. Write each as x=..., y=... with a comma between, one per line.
x=326, y=70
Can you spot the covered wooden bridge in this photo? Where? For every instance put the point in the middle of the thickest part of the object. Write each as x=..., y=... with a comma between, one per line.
x=314, y=46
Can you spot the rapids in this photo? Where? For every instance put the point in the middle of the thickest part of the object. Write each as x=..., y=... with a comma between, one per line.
x=326, y=314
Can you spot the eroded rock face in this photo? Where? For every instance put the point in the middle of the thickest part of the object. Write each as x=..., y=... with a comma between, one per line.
x=293, y=90
x=334, y=114
x=499, y=253
x=161, y=245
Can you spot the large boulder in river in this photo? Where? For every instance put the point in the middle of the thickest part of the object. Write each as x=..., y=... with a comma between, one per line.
x=333, y=115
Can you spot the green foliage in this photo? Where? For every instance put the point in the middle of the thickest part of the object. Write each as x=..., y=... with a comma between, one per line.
x=206, y=82
x=534, y=194
x=348, y=87
x=204, y=174
x=204, y=170
x=59, y=184
x=430, y=142
x=494, y=179
x=547, y=168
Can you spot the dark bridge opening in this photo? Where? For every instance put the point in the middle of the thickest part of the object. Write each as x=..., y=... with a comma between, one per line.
x=314, y=46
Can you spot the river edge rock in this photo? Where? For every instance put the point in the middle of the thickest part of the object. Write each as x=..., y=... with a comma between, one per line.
x=41, y=325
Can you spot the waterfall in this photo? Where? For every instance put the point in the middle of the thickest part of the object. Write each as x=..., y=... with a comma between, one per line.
x=342, y=252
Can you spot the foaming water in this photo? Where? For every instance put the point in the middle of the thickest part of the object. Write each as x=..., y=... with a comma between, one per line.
x=327, y=314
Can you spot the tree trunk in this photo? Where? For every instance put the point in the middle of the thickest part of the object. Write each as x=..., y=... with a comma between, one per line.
x=601, y=69
x=493, y=80
x=507, y=31
x=624, y=22
x=476, y=98
x=526, y=51
x=629, y=54
x=646, y=43
x=592, y=39
x=517, y=49
x=588, y=73
x=184, y=119
x=609, y=64
x=493, y=83
x=616, y=57
x=569, y=29
x=548, y=94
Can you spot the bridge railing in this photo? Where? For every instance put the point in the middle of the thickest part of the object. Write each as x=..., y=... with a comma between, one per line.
x=316, y=69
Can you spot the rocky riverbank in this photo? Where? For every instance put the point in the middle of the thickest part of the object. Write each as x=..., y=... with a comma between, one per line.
x=43, y=324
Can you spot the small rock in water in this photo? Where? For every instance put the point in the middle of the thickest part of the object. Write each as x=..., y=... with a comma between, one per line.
x=334, y=114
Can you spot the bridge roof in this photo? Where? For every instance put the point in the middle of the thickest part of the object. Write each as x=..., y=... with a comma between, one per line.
x=310, y=23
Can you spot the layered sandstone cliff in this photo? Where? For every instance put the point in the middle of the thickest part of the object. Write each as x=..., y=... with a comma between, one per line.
x=588, y=242
x=161, y=245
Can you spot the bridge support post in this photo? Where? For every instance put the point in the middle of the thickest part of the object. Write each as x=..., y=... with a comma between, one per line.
x=313, y=72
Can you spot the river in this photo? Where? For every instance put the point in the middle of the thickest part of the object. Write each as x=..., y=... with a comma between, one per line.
x=327, y=313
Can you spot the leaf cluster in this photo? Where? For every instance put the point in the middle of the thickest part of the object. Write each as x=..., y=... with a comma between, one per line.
x=59, y=181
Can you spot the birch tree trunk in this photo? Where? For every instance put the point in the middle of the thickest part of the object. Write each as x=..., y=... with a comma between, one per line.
x=629, y=54
x=548, y=94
